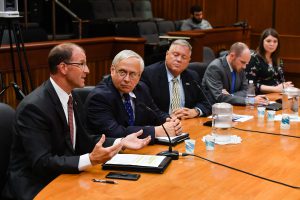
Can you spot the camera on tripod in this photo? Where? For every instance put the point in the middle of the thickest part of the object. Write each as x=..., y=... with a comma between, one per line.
x=9, y=8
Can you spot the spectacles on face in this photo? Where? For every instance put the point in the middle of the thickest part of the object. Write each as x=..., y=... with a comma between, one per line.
x=132, y=75
x=81, y=65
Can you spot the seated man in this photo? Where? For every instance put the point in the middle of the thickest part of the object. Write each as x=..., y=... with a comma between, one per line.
x=196, y=20
x=121, y=105
x=49, y=138
x=174, y=88
x=225, y=79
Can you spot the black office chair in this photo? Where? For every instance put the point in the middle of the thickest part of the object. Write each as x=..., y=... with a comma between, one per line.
x=208, y=55
x=83, y=92
x=199, y=67
x=7, y=115
x=143, y=9
x=165, y=26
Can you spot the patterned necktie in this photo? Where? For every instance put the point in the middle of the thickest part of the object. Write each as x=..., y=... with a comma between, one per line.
x=129, y=109
x=70, y=118
x=232, y=82
x=175, y=102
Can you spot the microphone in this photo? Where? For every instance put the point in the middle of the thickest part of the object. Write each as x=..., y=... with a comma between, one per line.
x=198, y=86
x=170, y=153
x=19, y=94
x=208, y=123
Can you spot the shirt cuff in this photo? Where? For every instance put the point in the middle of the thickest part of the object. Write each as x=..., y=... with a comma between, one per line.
x=84, y=162
x=199, y=111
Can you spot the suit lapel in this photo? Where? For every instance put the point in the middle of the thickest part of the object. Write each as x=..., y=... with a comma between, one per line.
x=61, y=114
x=164, y=85
x=228, y=74
x=186, y=84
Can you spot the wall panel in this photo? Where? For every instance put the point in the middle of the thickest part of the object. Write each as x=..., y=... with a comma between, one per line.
x=258, y=13
x=287, y=17
x=220, y=13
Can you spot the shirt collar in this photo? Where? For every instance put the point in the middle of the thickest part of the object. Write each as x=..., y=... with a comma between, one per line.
x=170, y=75
x=62, y=95
x=131, y=94
x=231, y=70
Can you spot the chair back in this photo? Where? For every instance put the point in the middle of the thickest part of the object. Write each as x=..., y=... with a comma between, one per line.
x=7, y=115
x=199, y=67
x=123, y=8
x=148, y=30
x=165, y=26
x=142, y=9
x=208, y=55
x=83, y=92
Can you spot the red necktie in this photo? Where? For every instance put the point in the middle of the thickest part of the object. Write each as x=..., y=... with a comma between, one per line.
x=70, y=117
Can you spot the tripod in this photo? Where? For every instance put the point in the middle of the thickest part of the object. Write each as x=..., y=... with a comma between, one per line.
x=14, y=32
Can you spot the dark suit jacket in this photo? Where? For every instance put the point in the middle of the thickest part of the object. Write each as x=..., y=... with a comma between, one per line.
x=155, y=77
x=41, y=148
x=106, y=113
x=218, y=76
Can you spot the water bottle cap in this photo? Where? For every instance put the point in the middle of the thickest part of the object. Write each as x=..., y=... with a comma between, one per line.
x=250, y=81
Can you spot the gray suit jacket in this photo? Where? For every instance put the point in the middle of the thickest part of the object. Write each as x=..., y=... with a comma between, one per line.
x=218, y=76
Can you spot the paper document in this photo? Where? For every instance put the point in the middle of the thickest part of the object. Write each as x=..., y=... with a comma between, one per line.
x=137, y=160
x=241, y=118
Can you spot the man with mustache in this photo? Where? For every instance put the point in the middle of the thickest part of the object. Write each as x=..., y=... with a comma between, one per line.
x=196, y=20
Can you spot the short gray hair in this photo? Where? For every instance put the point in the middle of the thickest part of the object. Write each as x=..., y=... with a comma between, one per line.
x=181, y=42
x=122, y=55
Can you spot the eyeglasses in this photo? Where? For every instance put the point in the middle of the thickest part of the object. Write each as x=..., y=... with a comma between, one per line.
x=81, y=65
x=132, y=75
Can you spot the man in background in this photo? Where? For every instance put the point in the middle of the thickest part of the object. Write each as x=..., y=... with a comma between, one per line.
x=174, y=88
x=225, y=79
x=196, y=20
x=121, y=105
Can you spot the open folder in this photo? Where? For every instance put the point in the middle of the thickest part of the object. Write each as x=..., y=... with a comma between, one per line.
x=174, y=140
x=136, y=162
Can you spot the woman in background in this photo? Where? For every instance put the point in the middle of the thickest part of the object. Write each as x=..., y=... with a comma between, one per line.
x=265, y=68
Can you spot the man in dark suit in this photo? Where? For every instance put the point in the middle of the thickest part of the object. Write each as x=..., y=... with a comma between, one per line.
x=49, y=138
x=164, y=77
x=120, y=105
x=219, y=76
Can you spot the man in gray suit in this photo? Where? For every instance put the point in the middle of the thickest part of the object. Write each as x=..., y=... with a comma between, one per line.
x=225, y=79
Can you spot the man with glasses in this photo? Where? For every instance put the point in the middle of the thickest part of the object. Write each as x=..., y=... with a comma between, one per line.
x=121, y=105
x=225, y=79
x=175, y=88
x=49, y=138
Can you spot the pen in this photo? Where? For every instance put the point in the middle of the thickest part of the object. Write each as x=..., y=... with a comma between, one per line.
x=104, y=181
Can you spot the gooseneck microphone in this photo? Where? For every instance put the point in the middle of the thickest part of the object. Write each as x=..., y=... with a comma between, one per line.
x=203, y=94
x=170, y=153
x=208, y=123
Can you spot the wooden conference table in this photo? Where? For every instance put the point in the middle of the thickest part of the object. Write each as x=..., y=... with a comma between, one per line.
x=270, y=156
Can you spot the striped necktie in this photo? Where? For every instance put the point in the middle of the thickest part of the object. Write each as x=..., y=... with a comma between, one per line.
x=70, y=118
x=175, y=101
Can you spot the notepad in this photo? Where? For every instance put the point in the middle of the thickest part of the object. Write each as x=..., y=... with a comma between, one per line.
x=136, y=162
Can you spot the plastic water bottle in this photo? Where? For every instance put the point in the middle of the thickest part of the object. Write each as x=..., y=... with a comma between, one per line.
x=250, y=99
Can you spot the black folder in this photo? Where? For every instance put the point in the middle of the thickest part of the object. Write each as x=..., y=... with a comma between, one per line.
x=138, y=168
x=174, y=141
x=274, y=106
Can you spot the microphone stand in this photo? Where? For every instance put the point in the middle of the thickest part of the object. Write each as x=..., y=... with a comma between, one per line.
x=170, y=153
x=174, y=155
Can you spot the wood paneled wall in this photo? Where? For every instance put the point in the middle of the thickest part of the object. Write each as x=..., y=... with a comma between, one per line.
x=282, y=15
x=99, y=51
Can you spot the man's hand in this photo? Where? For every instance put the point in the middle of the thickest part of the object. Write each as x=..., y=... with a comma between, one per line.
x=224, y=91
x=101, y=154
x=133, y=142
x=185, y=113
x=261, y=100
x=172, y=126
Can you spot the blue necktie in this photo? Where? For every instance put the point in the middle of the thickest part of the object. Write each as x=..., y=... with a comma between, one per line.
x=232, y=82
x=129, y=109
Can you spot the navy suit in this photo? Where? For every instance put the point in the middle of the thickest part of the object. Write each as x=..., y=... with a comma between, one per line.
x=42, y=148
x=155, y=77
x=106, y=113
